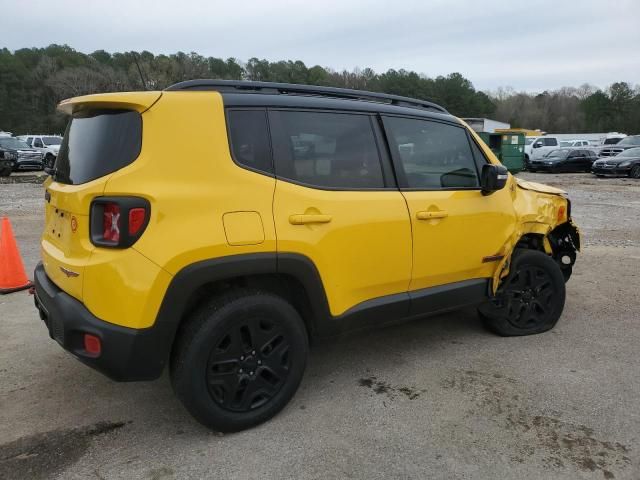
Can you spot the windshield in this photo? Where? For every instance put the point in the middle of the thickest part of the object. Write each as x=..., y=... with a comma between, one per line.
x=558, y=154
x=11, y=142
x=630, y=141
x=52, y=140
x=529, y=141
x=611, y=141
x=632, y=152
x=566, y=144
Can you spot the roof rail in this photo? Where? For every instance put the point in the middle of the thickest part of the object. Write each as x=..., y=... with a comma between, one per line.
x=243, y=86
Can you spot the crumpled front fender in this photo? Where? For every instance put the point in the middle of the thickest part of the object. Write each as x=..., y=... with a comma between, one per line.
x=543, y=221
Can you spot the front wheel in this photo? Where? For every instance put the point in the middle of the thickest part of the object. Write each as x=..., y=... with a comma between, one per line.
x=530, y=299
x=635, y=172
x=239, y=359
x=49, y=160
x=5, y=172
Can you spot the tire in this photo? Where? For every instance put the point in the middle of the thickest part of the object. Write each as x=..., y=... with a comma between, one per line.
x=532, y=170
x=635, y=172
x=49, y=160
x=529, y=300
x=5, y=172
x=239, y=359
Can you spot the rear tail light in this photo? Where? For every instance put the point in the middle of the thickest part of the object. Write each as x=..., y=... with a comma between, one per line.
x=137, y=219
x=111, y=222
x=118, y=222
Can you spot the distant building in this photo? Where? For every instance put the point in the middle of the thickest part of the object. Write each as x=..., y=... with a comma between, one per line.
x=485, y=124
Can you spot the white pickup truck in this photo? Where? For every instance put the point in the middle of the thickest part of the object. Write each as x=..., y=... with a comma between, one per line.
x=49, y=145
x=538, y=147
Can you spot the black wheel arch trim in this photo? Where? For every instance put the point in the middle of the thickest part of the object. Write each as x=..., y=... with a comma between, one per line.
x=321, y=324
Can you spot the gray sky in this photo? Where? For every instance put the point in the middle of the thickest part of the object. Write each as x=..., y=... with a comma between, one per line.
x=527, y=45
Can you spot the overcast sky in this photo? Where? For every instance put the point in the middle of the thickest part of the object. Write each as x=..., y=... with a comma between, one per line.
x=529, y=45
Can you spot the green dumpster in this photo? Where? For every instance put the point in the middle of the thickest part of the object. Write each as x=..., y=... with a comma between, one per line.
x=508, y=147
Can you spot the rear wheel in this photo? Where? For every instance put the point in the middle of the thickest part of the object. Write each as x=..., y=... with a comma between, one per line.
x=5, y=172
x=530, y=299
x=635, y=172
x=239, y=360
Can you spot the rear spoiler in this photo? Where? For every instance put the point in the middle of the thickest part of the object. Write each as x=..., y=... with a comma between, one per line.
x=138, y=101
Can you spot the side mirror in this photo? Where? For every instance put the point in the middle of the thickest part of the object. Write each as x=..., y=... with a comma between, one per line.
x=493, y=178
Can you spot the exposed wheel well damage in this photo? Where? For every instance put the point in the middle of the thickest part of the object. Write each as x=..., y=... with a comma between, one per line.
x=565, y=243
x=531, y=241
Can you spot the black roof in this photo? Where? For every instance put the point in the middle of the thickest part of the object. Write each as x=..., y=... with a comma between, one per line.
x=282, y=94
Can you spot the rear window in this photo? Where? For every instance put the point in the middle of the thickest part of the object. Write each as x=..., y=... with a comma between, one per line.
x=97, y=143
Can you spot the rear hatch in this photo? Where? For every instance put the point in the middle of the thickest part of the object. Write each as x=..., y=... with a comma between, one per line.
x=104, y=135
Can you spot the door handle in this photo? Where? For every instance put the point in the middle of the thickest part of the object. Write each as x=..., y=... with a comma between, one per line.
x=425, y=215
x=302, y=219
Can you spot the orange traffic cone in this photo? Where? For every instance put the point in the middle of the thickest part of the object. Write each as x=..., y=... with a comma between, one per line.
x=12, y=275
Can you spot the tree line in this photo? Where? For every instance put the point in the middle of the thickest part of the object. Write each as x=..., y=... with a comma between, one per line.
x=34, y=80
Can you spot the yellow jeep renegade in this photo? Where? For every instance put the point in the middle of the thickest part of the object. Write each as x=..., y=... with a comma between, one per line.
x=216, y=227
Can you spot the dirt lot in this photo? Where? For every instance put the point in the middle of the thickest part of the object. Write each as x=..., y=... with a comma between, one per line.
x=437, y=398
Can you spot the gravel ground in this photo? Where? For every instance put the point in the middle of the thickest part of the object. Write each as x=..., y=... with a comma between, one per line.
x=437, y=398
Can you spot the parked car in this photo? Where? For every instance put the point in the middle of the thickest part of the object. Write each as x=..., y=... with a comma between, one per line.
x=612, y=138
x=626, y=143
x=49, y=145
x=21, y=155
x=384, y=208
x=537, y=147
x=626, y=163
x=565, y=160
x=6, y=163
x=574, y=143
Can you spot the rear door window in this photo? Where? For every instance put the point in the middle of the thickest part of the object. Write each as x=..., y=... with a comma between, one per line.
x=331, y=150
x=97, y=143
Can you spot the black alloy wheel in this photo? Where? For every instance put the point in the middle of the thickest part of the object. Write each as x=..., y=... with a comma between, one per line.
x=239, y=359
x=248, y=365
x=530, y=299
x=635, y=172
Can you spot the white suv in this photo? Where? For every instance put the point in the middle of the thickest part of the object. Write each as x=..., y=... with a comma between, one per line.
x=49, y=145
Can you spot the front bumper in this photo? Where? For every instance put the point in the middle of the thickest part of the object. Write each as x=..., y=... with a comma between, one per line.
x=127, y=354
x=28, y=165
x=541, y=166
x=610, y=170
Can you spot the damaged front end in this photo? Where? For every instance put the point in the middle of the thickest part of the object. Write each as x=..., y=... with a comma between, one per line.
x=565, y=243
x=545, y=224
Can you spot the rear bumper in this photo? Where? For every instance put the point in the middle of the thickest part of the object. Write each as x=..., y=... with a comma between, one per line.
x=127, y=354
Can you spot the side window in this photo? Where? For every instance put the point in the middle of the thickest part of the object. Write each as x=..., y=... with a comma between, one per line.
x=433, y=155
x=550, y=142
x=335, y=150
x=37, y=143
x=249, y=139
x=29, y=140
x=478, y=155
